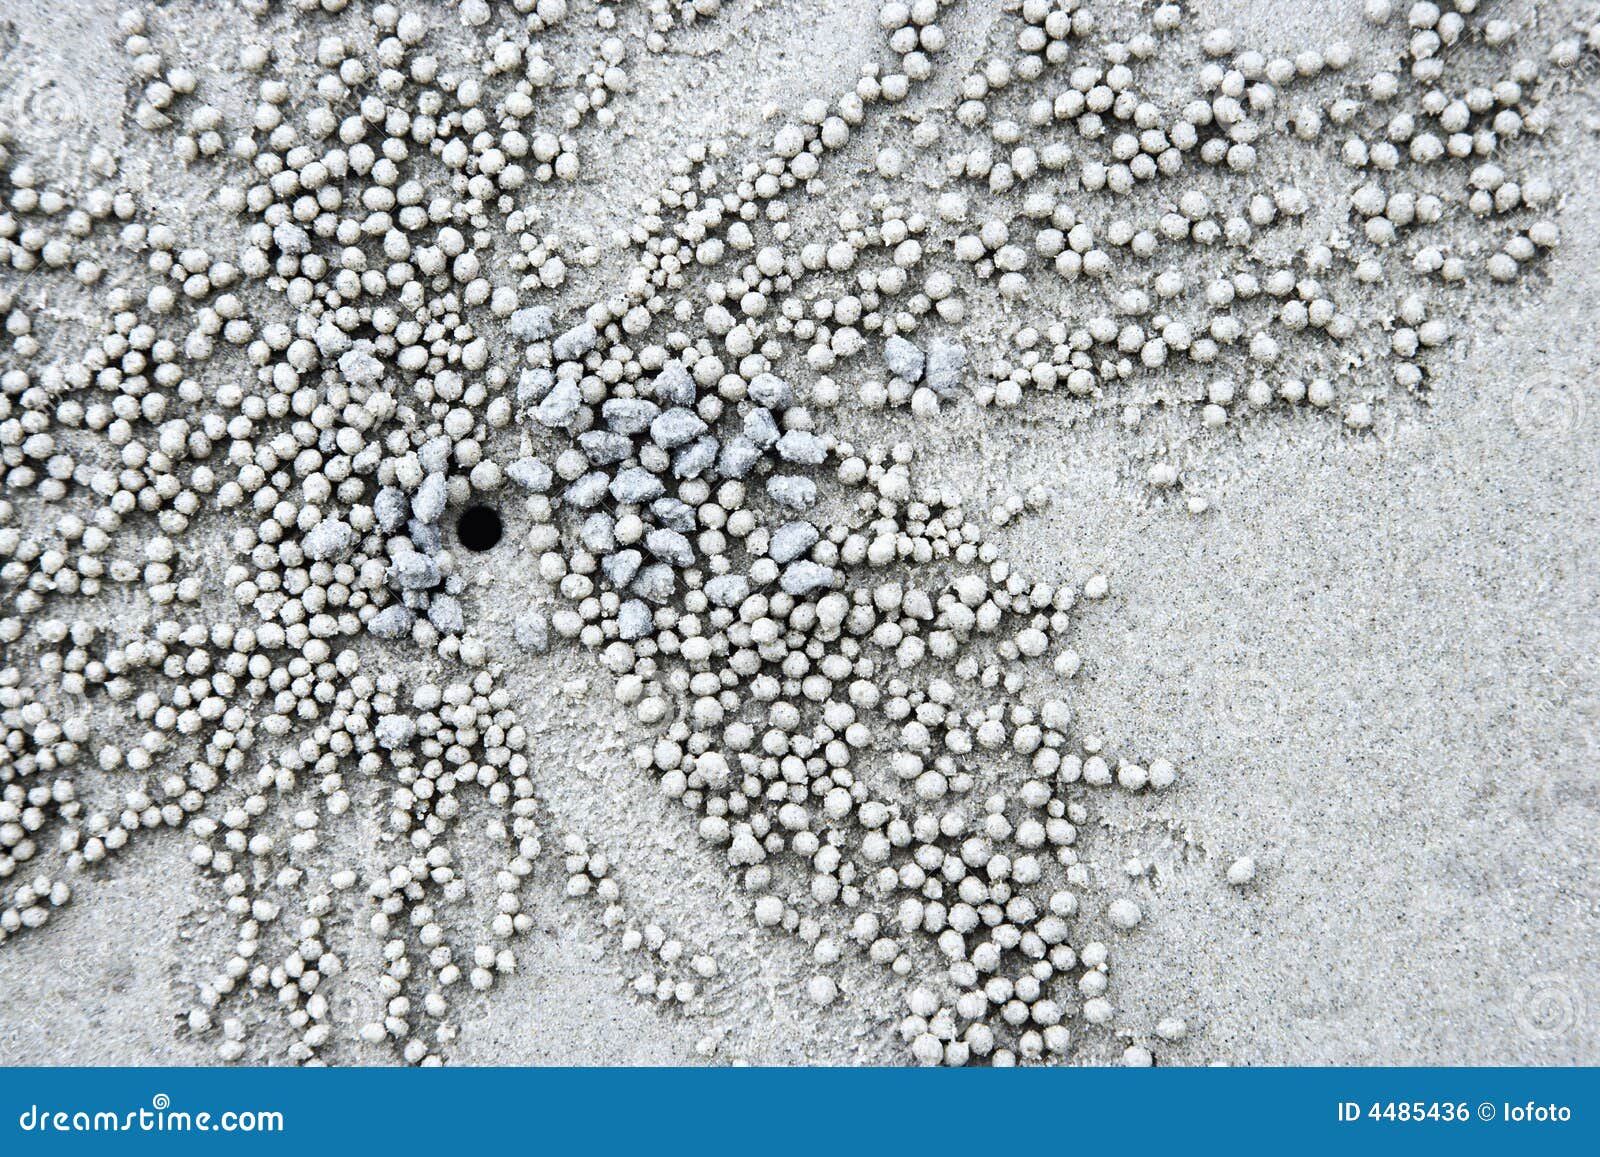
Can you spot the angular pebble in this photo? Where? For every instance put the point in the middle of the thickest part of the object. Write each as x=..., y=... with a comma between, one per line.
x=655, y=582
x=791, y=540
x=622, y=566
x=947, y=362
x=803, y=447
x=445, y=613
x=393, y=622
x=696, y=458
x=674, y=386
x=805, y=576
x=670, y=546
x=634, y=620
x=636, y=484
x=727, y=590
x=673, y=513
x=329, y=539
x=792, y=490
x=588, y=491
x=391, y=508
x=576, y=342
x=603, y=447
x=535, y=323
x=629, y=415
x=360, y=368
x=771, y=391
x=760, y=427
x=531, y=474
x=394, y=731
x=434, y=454
x=598, y=533
x=738, y=458
x=425, y=536
x=427, y=504
x=532, y=630
x=560, y=405
x=291, y=239
x=903, y=358
x=533, y=384
x=676, y=427
x=414, y=571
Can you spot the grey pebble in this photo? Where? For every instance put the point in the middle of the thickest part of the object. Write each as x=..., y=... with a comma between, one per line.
x=760, y=427
x=434, y=454
x=414, y=571
x=636, y=484
x=393, y=731
x=360, y=368
x=727, y=590
x=770, y=390
x=674, y=386
x=534, y=323
x=598, y=533
x=655, y=582
x=792, y=490
x=903, y=358
x=791, y=540
x=696, y=458
x=390, y=507
x=738, y=458
x=634, y=620
x=947, y=362
x=532, y=630
x=329, y=539
x=531, y=474
x=445, y=613
x=603, y=447
x=533, y=384
x=588, y=491
x=393, y=622
x=560, y=405
x=622, y=566
x=576, y=342
x=670, y=546
x=676, y=427
x=802, y=446
x=674, y=513
x=291, y=239
x=804, y=577
x=629, y=415
x=425, y=536
x=428, y=503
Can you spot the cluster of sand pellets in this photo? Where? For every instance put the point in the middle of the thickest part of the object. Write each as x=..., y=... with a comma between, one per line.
x=376, y=358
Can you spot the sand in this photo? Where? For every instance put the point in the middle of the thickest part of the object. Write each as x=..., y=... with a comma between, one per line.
x=1376, y=655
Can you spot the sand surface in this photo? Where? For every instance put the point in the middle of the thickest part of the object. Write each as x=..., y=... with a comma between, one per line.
x=1375, y=657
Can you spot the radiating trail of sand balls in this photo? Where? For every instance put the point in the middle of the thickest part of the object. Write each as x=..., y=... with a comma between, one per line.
x=865, y=707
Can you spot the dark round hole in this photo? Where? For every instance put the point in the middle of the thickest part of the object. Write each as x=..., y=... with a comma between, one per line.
x=479, y=527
